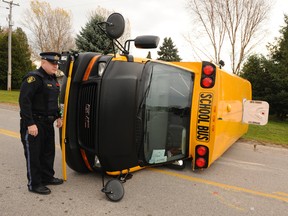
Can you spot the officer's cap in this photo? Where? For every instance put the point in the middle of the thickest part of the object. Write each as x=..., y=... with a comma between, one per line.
x=52, y=57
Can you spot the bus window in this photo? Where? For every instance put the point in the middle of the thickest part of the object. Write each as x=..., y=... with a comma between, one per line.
x=167, y=114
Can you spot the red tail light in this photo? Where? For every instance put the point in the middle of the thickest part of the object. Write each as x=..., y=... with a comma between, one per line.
x=201, y=150
x=200, y=162
x=201, y=157
x=208, y=70
x=207, y=82
x=208, y=75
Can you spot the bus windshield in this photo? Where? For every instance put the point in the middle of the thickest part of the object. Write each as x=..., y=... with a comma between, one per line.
x=167, y=113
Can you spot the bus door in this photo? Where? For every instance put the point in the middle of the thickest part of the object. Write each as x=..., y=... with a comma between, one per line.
x=167, y=113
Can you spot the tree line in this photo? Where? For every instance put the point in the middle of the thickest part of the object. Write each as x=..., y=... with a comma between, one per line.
x=21, y=57
x=51, y=30
x=269, y=74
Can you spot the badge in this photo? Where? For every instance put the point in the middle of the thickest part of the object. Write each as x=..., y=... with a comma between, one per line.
x=31, y=79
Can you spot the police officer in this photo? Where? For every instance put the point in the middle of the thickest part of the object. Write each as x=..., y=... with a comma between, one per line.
x=39, y=108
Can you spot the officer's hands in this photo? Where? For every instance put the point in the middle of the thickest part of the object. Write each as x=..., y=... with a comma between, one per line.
x=59, y=123
x=33, y=130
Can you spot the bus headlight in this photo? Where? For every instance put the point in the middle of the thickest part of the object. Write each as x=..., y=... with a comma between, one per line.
x=101, y=68
x=97, y=162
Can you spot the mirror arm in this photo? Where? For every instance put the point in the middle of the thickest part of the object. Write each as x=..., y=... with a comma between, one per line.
x=127, y=44
x=120, y=47
x=99, y=25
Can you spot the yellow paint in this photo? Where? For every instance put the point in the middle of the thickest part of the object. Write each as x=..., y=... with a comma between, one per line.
x=227, y=202
x=133, y=169
x=221, y=185
x=10, y=133
x=281, y=194
x=15, y=135
x=64, y=172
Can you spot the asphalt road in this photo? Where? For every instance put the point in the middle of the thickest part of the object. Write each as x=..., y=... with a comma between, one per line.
x=249, y=179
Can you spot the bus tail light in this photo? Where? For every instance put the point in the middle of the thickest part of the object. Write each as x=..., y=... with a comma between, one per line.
x=201, y=157
x=200, y=162
x=201, y=150
x=208, y=75
x=207, y=82
x=208, y=70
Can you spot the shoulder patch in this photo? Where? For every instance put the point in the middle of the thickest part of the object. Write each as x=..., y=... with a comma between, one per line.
x=31, y=79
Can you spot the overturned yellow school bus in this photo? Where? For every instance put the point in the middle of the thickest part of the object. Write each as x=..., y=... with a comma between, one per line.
x=123, y=113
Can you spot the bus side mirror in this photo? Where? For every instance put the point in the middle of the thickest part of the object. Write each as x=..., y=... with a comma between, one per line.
x=146, y=42
x=115, y=26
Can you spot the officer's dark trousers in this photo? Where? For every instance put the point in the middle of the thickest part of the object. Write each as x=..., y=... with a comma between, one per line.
x=39, y=152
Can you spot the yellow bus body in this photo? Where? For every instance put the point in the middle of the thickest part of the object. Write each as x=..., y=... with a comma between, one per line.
x=225, y=125
x=215, y=116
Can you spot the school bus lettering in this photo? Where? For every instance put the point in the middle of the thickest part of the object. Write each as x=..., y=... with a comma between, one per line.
x=204, y=117
x=203, y=128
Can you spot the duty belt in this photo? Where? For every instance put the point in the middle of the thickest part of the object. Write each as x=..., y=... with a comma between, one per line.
x=49, y=118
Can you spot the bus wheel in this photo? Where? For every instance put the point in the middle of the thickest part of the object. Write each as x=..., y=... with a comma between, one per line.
x=114, y=190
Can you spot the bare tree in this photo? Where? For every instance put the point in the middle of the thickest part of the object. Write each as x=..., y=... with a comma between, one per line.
x=99, y=11
x=50, y=29
x=206, y=14
x=240, y=21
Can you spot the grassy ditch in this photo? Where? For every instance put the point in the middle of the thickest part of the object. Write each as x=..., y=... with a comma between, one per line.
x=275, y=132
x=9, y=97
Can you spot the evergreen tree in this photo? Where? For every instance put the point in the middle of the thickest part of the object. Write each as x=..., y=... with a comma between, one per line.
x=258, y=70
x=21, y=55
x=279, y=58
x=269, y=76
x=92, y=39
x=168, y=51
x=149, y=55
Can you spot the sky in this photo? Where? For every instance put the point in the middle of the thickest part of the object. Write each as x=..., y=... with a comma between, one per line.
x=164, y=18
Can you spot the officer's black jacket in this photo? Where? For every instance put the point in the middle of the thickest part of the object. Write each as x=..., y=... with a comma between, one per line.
x=39, y=96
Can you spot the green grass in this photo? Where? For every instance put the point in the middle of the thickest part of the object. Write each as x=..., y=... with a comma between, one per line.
x=275, y=132
x=10, y=97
